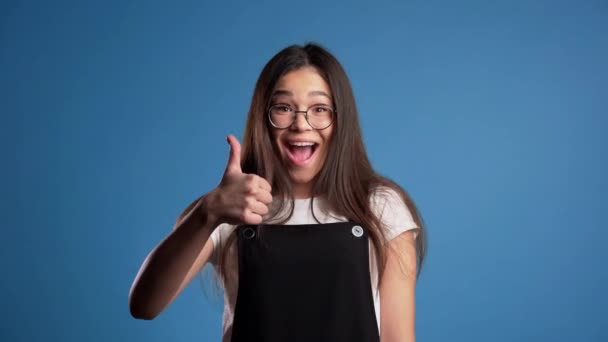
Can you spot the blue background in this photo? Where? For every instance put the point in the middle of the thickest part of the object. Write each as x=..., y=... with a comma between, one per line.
x=493, y=115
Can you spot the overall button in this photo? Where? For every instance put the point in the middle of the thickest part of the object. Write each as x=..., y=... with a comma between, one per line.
x=248, y=233
x=357, y=231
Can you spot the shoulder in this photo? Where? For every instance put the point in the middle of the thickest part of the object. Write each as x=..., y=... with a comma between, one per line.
x=219, y=236
x=392, y=211
x=221, y=232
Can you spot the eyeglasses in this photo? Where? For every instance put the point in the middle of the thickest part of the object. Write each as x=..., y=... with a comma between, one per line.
x=318, y=116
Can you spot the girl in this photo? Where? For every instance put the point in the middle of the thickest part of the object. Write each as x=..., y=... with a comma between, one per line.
x=314, y=244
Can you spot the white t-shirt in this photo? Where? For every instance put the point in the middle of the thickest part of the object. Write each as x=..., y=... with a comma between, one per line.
x=386, y=204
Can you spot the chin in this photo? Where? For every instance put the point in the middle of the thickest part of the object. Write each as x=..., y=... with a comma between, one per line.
x=300, y=178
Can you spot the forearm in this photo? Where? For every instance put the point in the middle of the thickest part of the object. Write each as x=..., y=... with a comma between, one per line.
x=166, y=267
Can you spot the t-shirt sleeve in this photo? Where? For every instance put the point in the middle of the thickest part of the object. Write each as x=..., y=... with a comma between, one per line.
x=392, y=212
x=219, y=237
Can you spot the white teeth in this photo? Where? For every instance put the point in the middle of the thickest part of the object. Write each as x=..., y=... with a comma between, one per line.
x=301, y=143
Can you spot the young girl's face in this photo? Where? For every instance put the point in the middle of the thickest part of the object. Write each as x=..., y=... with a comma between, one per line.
x=300, y=90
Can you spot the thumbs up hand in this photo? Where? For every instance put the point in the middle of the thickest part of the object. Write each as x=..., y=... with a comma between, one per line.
x=240, y=198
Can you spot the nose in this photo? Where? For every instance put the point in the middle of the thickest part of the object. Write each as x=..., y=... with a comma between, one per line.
x=299, y=122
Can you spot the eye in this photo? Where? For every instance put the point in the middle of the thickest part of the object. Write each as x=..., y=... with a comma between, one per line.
x=321, y=109
x=281, y=108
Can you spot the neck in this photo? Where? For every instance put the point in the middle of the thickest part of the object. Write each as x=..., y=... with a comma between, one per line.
x=302, y=191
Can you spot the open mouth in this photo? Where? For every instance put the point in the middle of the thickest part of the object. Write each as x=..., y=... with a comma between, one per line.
x=301, y=153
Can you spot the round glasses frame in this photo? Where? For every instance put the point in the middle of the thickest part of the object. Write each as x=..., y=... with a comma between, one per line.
x=295, y=113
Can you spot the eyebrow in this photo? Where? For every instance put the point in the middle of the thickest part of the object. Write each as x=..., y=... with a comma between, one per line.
x=289, y=93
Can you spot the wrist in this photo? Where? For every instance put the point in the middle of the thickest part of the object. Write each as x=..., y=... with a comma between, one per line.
x=205, y=210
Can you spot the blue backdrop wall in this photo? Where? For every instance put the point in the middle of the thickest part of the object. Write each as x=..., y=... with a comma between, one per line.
x=493, y=115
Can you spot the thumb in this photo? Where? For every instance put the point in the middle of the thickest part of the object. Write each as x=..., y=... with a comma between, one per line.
x=234, y=161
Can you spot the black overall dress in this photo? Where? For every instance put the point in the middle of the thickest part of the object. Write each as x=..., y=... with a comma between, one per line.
x=306, y=282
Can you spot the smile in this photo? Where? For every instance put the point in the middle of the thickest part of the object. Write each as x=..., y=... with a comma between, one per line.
x=301, y=153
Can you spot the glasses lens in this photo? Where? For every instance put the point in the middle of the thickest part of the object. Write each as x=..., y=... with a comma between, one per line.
x=281, y=116
x=320, y=116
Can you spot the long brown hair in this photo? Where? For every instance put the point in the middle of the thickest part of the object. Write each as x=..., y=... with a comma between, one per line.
x=346, y=180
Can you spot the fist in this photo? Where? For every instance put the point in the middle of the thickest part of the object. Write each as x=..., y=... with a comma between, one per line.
x=240, y=198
